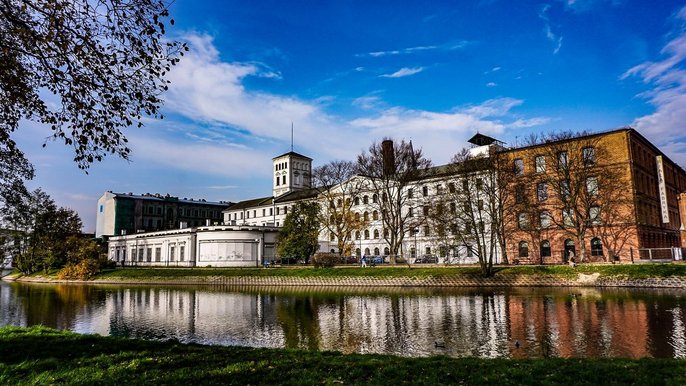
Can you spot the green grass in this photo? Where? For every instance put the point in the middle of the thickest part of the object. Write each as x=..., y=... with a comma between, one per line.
x=627, y=271
x=42, y=356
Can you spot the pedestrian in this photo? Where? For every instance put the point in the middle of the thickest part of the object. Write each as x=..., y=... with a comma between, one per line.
x=364, y=261
x=571, y=259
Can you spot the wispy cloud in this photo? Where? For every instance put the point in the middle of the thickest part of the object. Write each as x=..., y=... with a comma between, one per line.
x=405, y=71
x=417, y=49
x=491, y=84
x=667, y=79
x=557, y=40
x=580, y=6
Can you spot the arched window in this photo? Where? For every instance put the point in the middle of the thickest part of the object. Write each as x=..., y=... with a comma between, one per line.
x=375, y=198
x=376, y=251
x=357, y=201
x=333, y=250
x=332, y=237
x=376, y=234
x=366, y=216
x=366, y=251
x=523, y=249
x=357, y=235
x=523, y=220
x=386, y=251
x=366, y=234
x=596, y=247
x=365, y=200
x=375, y=215
x=385, y=233
x=425, y=191
x=357, y=217
x=545, y=248
x=357, y=252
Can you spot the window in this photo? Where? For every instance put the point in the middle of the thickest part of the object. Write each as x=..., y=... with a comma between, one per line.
x=264, y=212
x=562, y=160
x=539, y=162
x=470, y=250
x=366, y=234
x=427, y=230
x=518, y=167
x=453, y=229
x=101, y=208
x=375, y=198
x=588, y=154
x=356, y=201
x=283, y=180
x=545, y=248
x=465, y=185
x=366, y=216
x=596, y=247
x=366, y=251
x=376, y=251
x=332, y=236
x=247, y=214
x=544, y=219
x=453, y=208
x=523, y=249
x=568, y=217
x=357, y=235
x=141, y=255
x=439, y=189
x=385, y=233
x=149, y=254
x=339, y=202
x=425, y=191
x=285, y=210
x=451, y=187
x=592, y=186
x=365, y=200
x=594, y=215
x=425, y=210
x=386, y=251
x=376, y=234
x=519, y=194
x=410, y=212
x=271, y=211
x=158, y=254
x=182, y=253
x=564, y=190
x=375, y=215
x=542, y=191
x=278, y=181
x=479, y=183
x=523, y=221
x=357, y=217
x=427, y=250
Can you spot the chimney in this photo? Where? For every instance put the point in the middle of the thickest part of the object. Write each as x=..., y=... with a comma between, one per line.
x=388, y=156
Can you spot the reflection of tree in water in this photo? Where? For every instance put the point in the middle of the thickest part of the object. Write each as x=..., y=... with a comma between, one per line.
x=59, y=306
x=298, y=317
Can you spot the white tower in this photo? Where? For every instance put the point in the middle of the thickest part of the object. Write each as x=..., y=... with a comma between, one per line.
x=292, y=171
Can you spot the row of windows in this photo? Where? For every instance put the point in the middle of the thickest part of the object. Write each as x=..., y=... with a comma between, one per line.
x=296, y=166
x=565, y=190
x=545, y=251
x=253, y=213
x=588, y=157
x=545, y=220
x=184, y=212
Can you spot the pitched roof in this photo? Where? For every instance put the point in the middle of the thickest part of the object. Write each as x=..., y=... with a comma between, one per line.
x=251, y=203
x=159, y=197
x=296, y=195
x=292, y=153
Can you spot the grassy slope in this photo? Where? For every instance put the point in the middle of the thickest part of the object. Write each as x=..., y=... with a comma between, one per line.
x=38, y=355
x=629, y=271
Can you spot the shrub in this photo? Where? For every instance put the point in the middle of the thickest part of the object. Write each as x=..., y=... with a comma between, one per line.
x=85, y=269
x=325, y=260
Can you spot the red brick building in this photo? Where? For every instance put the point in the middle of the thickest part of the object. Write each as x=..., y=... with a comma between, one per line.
x=599, y=196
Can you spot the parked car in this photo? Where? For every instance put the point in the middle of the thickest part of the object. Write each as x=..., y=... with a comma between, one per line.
x=349, y=260
x=374, y=260
x=426, y=259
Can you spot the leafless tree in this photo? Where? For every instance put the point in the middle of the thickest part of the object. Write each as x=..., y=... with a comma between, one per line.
x=339, y=188
x=390, y=169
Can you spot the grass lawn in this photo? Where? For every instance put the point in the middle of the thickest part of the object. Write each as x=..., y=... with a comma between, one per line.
x=627, y=271
x=38, y=355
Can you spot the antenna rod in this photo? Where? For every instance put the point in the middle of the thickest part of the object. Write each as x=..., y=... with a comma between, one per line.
x=291, y=136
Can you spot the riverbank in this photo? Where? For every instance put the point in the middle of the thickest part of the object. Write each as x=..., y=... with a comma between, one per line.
x=588, y=275
x=38, y=355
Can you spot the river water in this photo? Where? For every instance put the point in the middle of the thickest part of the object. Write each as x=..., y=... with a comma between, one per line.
x=511, y=322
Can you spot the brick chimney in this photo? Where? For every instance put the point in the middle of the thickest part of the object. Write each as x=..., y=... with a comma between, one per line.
x=388, y=157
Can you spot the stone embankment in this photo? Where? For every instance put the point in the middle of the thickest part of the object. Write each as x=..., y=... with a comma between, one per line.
x=582, y=280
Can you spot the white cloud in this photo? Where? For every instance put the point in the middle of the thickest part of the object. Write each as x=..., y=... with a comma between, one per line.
x=367, y=102
x=405, y=71
x=417, y=49
x=667, y=79
x=557, y=40
x=491, y=84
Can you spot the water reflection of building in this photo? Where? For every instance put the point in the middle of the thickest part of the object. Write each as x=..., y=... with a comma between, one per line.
x=546, y=322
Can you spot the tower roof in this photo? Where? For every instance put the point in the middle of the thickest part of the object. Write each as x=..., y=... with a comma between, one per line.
x=292, y=153
x=480, y=140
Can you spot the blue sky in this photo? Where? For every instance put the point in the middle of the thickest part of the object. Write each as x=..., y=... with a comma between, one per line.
x=348, y=73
